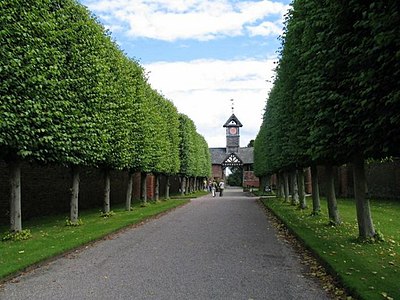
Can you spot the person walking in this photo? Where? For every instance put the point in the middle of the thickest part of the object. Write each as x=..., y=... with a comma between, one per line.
x=213, y=188
x=205, y=185
x=221, y=188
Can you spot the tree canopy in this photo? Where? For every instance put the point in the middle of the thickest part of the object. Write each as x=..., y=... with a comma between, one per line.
x=69, y=95
x=335, y=94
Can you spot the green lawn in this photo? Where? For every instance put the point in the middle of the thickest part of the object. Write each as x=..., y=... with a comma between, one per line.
x=51, y=237
x=369, y=271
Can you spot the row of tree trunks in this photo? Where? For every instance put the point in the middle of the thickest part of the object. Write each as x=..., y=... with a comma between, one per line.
x=15, y=193
x=157, y=186
x=189, y=184
x=364, y=219
x=296, y=193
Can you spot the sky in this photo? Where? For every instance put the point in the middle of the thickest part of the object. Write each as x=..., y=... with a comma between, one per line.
x=200, y=54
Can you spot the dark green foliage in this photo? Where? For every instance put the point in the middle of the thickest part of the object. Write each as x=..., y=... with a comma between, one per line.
x=236, y=177
x=335, y=95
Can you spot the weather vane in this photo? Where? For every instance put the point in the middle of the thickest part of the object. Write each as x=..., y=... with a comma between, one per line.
x=232, y=105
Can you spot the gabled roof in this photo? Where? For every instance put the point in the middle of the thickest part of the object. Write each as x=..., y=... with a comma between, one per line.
x=232, y=119
x=232, y=160
x=245, y=154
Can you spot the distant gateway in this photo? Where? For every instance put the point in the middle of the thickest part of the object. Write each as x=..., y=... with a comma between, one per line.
x=233, y=155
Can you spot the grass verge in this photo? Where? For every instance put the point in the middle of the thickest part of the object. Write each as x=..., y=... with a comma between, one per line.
x=366, y=270
x=51, y=237
x=188, y=196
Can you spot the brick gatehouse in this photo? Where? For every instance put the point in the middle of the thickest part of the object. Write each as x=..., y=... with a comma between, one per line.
x=233, y=155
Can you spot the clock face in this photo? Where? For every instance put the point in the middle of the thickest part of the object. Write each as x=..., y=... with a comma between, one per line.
x=232, y=130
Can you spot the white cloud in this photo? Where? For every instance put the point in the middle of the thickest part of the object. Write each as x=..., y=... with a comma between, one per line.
x=265, y=29
x=202, y=89
x=189, y=19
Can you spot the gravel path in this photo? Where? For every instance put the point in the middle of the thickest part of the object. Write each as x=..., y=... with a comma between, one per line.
x=212, y=248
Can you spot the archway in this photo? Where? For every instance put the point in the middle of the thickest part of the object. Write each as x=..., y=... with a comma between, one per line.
x=233, y=156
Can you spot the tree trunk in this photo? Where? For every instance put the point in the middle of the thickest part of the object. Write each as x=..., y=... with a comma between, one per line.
x=15, y=197
x=183, y=179
x=167, y=187
x=286, y=186
x=280, y=185
x=262, y=180
x=333, y=212
x=315, y=190
x=106, y=191
x=302, y=192
x=74, y=195
x=267, y=182
x=191, y=185
x=157, y=187
x=295, y=188
x=364, y=218
x=143, y=187
x=277, y=184
x=129, y=189
x=187, y=184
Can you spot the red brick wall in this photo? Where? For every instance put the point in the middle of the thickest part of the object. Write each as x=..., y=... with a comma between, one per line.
x=249, y=179
x=174, y=186
x=136, y=186
x=217, y=171
x=383, y=180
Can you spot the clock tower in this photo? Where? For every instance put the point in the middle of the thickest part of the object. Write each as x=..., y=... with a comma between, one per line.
x=232, y=134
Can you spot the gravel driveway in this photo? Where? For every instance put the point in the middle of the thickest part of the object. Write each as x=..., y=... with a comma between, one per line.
x=212, y=248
